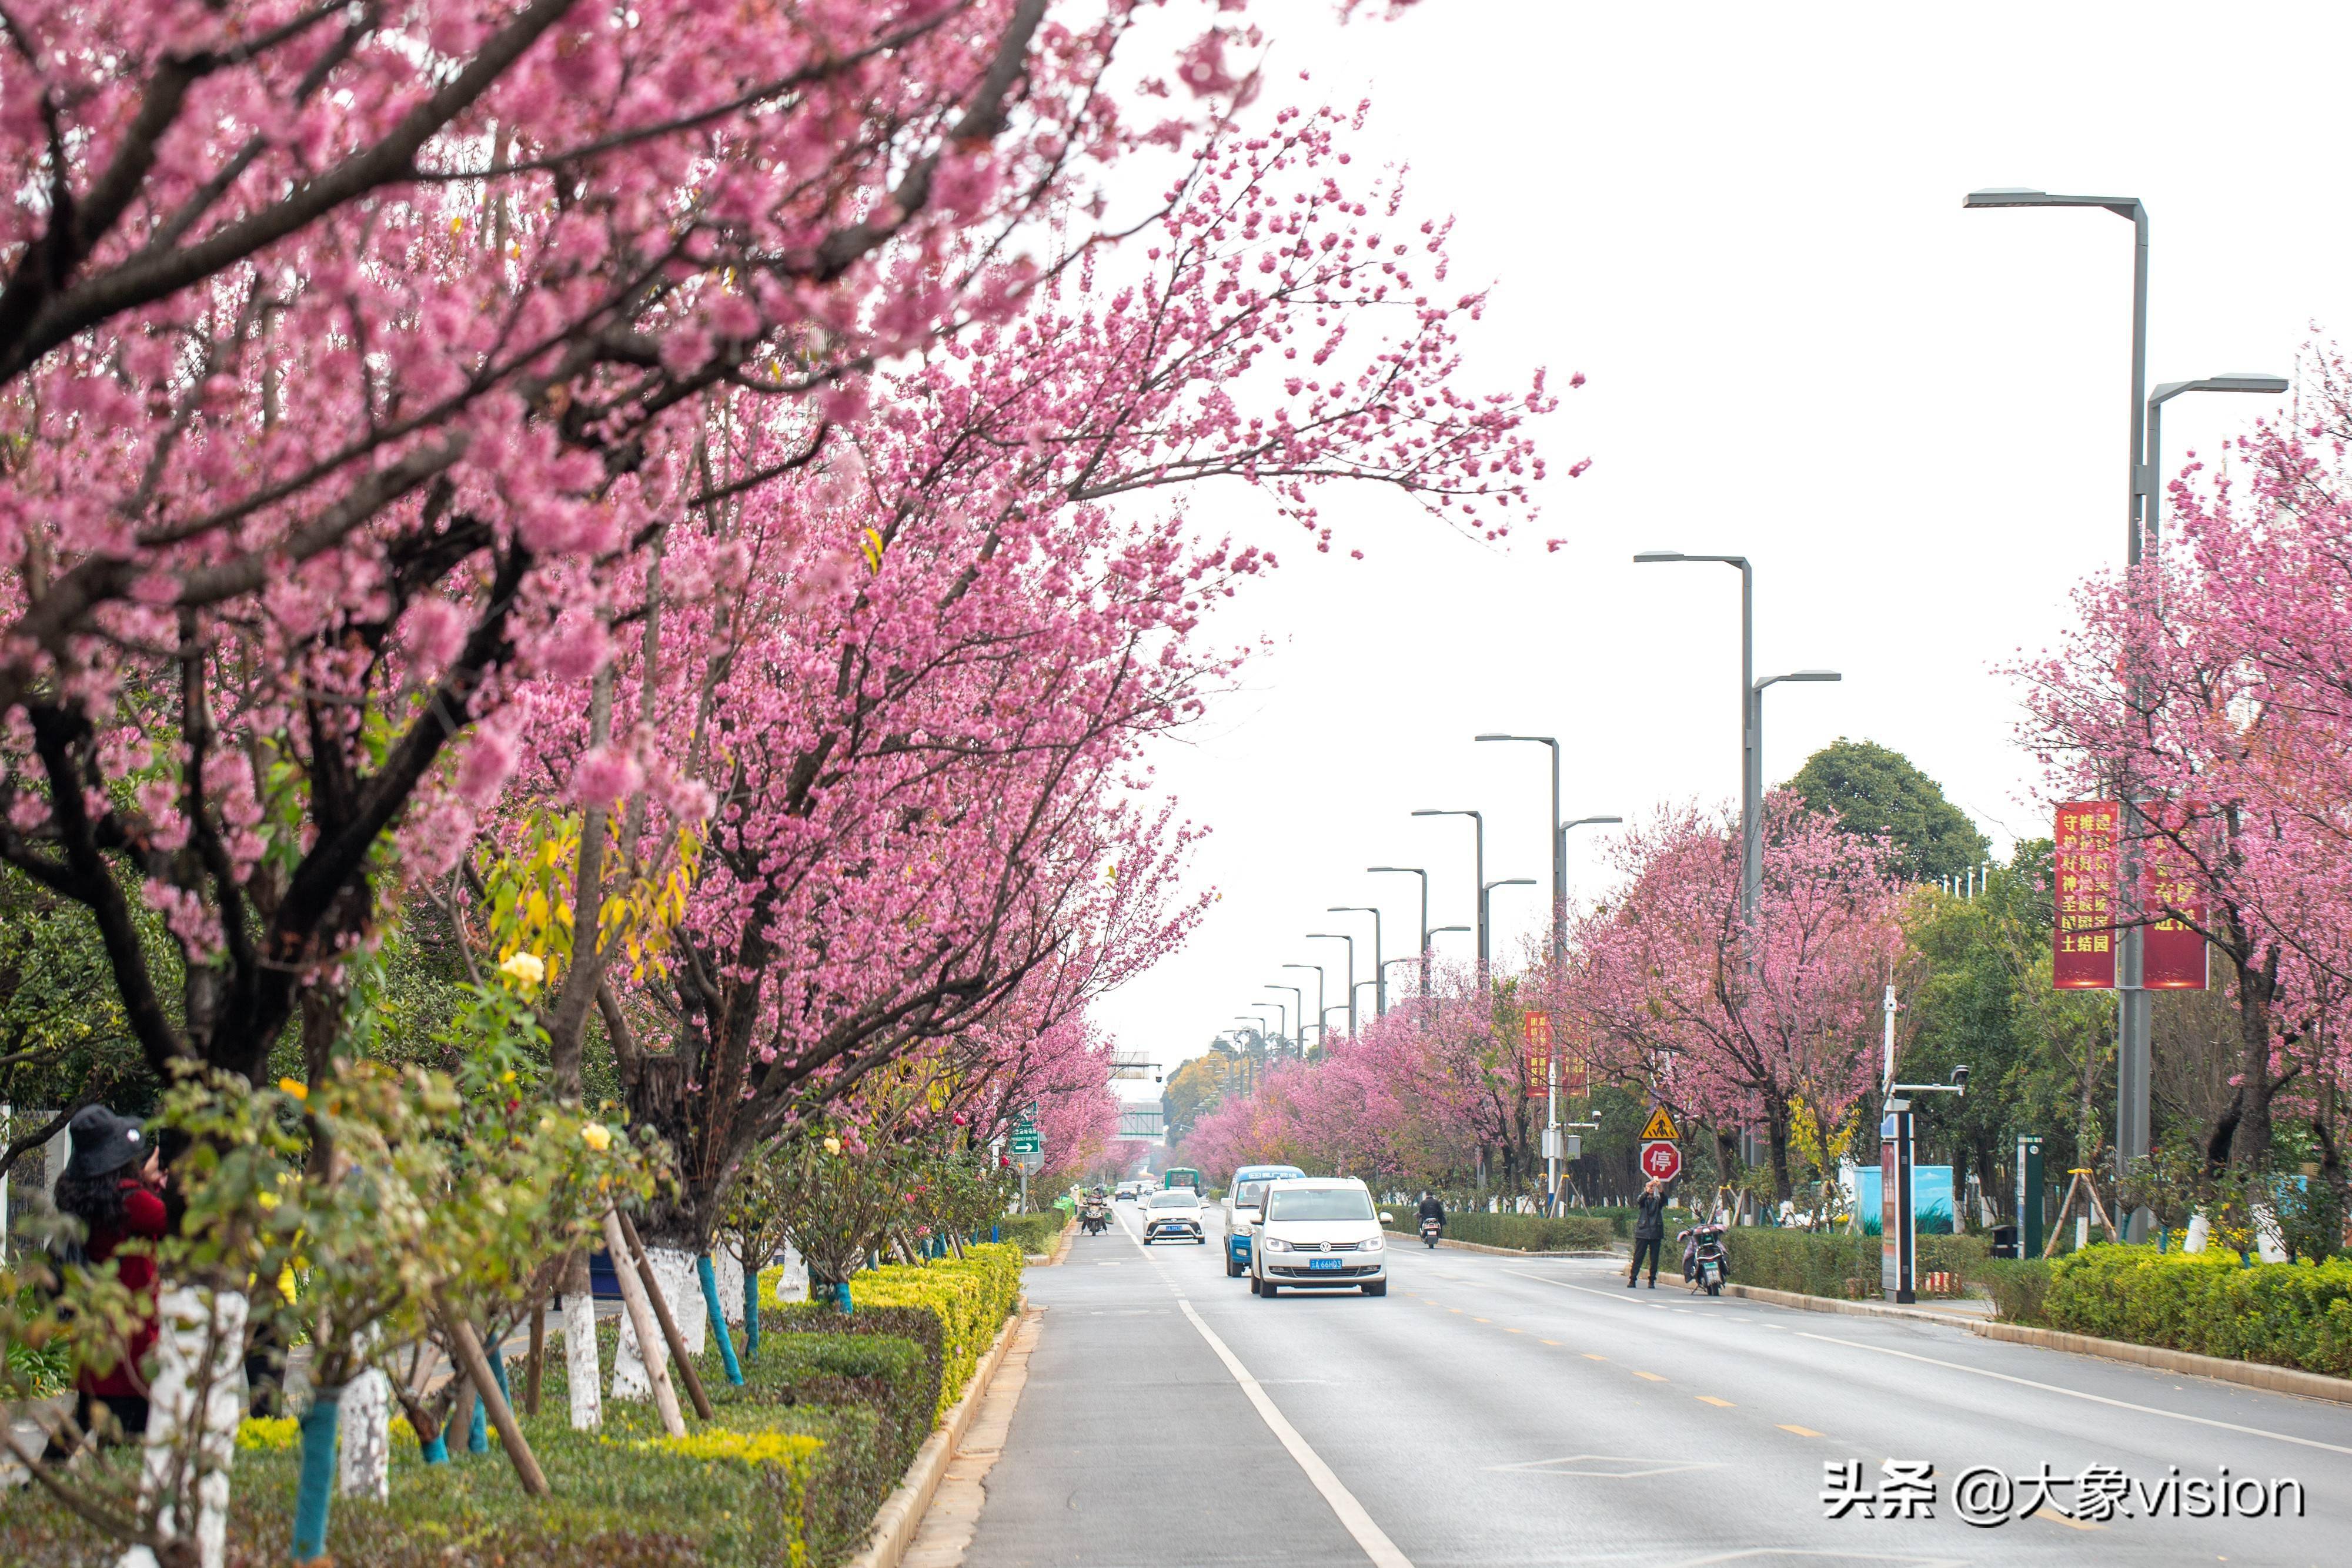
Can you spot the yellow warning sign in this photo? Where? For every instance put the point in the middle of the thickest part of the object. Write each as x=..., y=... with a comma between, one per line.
x=1660, y=1126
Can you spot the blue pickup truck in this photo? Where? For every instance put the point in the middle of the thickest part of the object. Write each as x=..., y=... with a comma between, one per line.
x=1244, y=1198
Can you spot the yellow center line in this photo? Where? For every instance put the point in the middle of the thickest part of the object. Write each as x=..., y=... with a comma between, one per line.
x=1589, y=1357
x=2054, y=1517
x=1718, y=1404
x=1799, y=1431
x=1651, y=1375
x=1514, y=1331
x=1455, y=1310
x=1553, y=1343
x=1481, y=1320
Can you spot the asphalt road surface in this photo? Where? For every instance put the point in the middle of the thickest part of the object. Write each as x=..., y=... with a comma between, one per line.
x=1504, y=1411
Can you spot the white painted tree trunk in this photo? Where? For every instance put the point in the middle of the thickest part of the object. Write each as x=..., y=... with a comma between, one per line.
x=188, y=1483
x=637, y=1325
x=794, y=1285
x=2200, y=1229
x=582, y=1372
x=363, y=1427
x=727, y=1265
x=681, y=1290
x=2270, y=1241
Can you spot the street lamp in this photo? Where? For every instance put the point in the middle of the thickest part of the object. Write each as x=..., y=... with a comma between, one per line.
x=1359, y=985
x=1415, y=871
x=1756, y=727
x=1319, y=1008
x=2132, y=1009
x=1751, y=777
x=1480, y=869
x=1484, y=920
x=1298, y=999
x=1350, y=941
x=2151, y=477
x=1580, y=822
x=1558, y=851
x=1281, y=1020
x=1379, y=971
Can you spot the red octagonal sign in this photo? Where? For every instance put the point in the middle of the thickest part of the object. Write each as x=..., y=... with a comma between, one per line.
x=1662, y=1161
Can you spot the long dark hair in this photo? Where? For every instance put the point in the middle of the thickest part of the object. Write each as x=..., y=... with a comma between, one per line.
x=98, y=1201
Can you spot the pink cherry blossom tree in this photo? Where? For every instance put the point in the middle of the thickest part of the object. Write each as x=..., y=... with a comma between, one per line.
x=1730, y=1024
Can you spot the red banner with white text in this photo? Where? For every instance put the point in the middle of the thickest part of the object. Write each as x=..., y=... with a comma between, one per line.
x=2173, y=958
x=1536, y=1027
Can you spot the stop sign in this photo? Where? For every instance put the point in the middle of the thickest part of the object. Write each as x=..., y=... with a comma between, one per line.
x=1662, y=1161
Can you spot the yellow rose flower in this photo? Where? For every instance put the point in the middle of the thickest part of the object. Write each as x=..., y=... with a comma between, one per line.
x=294, y=1086
x=597, y=1137
x=527, y=968
x=833, y=1145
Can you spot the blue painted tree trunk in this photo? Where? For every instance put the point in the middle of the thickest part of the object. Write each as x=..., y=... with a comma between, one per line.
x=710, y=1278
x=750, y=1307
x=316, y=1489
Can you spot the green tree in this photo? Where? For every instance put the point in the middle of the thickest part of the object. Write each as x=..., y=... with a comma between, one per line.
x=1196, y=1088
x=1872, y=790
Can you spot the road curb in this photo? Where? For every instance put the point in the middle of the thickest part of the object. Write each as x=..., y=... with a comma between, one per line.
x=1849, y=1308
x=901, y=1513
x=2246, y=1373
x=2251, y=1373
x=1062, y=1247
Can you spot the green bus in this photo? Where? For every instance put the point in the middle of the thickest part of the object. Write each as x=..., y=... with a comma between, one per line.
x=1183, y=1176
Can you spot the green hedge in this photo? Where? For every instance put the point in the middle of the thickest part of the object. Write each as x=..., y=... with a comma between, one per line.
x=2283, y=1314
x=1836, y=1264
x=954, y=1307
x=763, y=1483
x=1034, y=1233
x=2018, y=1287
x=1525, y=1232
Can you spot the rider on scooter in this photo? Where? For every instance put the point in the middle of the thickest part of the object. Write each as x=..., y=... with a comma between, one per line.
x=1431, y=1208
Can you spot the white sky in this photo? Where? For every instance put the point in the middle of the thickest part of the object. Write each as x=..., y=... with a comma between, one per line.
x=1743, y=223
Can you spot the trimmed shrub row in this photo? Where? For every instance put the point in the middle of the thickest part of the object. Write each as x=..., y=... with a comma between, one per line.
x=1836, y=1264
x=1526, y=1232
x=1035, y=1232
x=2281, y=1314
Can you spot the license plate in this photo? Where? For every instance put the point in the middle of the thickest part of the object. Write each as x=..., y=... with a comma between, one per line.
x=1323, y=1262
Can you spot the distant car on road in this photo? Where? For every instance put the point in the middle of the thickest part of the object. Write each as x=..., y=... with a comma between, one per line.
x=1172, y=1215
x=1125, y=1193
x=1318, y=1233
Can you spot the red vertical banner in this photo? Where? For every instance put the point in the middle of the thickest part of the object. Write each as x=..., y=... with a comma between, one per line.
x=1575, y=1074
x=1536, y=1027
x=2173, y=957
x=2083, y=872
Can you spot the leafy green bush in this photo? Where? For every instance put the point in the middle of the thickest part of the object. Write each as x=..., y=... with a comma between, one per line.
x=1525, y=1232
x=2018, y=1287
x=954, y=1307
x=1835, y=1264
x=1033, y=1232
x=2284, y=1314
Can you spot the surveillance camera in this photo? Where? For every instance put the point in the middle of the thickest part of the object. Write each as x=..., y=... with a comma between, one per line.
x=1960, y=1077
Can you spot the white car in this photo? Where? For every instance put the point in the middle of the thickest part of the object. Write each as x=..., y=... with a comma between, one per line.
x=1125, y=1193
x=1318, y=1233
x=1171, y=1216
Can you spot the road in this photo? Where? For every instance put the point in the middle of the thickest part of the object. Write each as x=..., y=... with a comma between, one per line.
x=1495, y=1411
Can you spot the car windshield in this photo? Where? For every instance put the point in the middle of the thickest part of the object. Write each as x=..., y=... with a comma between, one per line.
x=1249, y=1195
x=1321, y=1203
x=1178, y=1199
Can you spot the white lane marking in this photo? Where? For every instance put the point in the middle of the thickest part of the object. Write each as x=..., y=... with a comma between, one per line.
x=1367, y=1536
x=1617, y=1295
x=1376, y=1546
x=2078, y=1394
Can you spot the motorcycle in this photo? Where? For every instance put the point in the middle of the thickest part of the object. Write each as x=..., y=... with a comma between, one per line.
x=1703, y=1263
x=1095, y=1216
x=1428, y=1229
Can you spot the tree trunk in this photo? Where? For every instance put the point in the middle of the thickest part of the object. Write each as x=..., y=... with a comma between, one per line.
x=1776, y=1119
x=2249, y=1145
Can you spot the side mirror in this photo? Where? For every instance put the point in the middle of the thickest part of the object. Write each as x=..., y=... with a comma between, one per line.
x=1387, y=1219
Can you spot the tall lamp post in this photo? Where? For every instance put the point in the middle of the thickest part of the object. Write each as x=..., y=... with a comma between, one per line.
x=1281, y=1020
x=1379, y=971
x=1415, y=871
x=1559, y=849
x=1319, y=1008
x=2132, y=1014
x=2151, y=477
x=1350, y=941
x=1486, y=921
x=1751, y=777
x=1479, y=820
x=1298, y=1000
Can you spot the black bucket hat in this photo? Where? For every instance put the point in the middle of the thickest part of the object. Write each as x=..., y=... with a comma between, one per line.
x=104, y=1142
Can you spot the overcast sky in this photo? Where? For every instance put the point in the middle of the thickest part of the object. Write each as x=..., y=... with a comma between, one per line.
x=1743, y=223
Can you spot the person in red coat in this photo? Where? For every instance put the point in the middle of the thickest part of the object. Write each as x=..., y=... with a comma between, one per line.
x=111, y=1185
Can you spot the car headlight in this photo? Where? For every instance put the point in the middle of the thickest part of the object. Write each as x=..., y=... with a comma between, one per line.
x=1276, y=1244
x=1374, y=1245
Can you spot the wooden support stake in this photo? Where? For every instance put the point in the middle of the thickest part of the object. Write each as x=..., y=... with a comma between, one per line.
x=537, y=1363
x=486, y=1389
x=669, y=1324
x=633, y=1298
